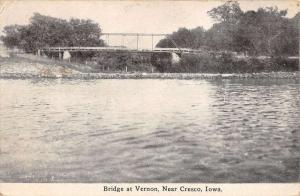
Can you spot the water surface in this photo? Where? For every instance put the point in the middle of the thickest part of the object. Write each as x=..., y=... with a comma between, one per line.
x=149, y=131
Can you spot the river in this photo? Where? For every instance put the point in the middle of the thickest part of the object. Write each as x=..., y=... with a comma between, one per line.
x=149, y=130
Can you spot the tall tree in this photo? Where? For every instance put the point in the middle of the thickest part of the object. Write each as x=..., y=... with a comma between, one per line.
x=85, y=33
x=198, y=37
x=46, y=31
x=229, y=12
x=184, y=38
x=221, y=36
x=13, y=35
x=266, y=31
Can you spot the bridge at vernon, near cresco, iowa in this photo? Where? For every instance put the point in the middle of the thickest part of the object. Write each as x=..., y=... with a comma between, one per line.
x=64, y=51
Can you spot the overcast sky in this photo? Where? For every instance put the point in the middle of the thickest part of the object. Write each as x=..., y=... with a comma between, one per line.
x=131, y=16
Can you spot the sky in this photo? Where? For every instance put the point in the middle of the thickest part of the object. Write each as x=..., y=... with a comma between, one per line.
x=131, y=16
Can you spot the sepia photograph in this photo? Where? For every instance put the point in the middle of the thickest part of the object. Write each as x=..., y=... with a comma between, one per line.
x=151, y=92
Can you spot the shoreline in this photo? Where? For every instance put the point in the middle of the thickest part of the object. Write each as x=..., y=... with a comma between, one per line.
x=35, y=67
x=138, y=75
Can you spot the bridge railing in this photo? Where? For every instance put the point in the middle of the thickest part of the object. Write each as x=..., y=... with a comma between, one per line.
x=176, y=50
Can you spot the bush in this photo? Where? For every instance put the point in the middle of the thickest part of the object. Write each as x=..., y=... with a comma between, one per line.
x=204, y=62
x=227, y=63
x=285, y=64
x=193, y=63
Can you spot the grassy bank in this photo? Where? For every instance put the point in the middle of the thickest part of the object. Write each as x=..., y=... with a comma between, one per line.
x=204, y=62
x=227, y=63
x=224, y=67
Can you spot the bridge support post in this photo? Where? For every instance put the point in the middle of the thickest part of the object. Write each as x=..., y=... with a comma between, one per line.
x=107, y=37
x=175, y=58
x=60, y=55
x=66, y=55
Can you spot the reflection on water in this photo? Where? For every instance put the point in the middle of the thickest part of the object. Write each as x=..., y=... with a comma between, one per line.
x=149, y=131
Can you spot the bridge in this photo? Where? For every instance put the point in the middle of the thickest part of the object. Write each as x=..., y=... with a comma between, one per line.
x=119, y=49
x=137, y=49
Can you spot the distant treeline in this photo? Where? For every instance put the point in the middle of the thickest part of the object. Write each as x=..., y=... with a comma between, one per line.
x=46, y=31
x=266, y=31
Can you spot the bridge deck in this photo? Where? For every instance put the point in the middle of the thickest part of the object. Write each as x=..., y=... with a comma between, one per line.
x=119, y=49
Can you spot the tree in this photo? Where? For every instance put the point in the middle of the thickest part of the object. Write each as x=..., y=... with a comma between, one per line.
x=46, y=31
x=165, y=43
x=222, y=35
x=265, y=32
x=184, y=38
x=248, y=32
x=229, y=12
x=13, y=36
x=198, y=37
x=85, y=33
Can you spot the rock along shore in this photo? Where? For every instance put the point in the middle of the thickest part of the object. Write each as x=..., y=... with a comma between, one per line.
x=181, y=76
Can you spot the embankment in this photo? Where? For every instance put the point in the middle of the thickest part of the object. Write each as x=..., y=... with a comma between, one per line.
x=30, y=66
x=204, y=62
x=228, y=63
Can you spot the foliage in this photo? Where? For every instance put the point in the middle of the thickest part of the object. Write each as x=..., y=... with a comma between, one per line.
x=266, y=31
x=184, y=38
x=13, y=35
x=263, y=32
x=107, y=61
x=46, y=31
x=221, y=37
x=229, y=12
x=226, y=63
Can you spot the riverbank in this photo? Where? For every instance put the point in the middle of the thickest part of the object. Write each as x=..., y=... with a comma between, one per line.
x=30, y=66
x=181, y=76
